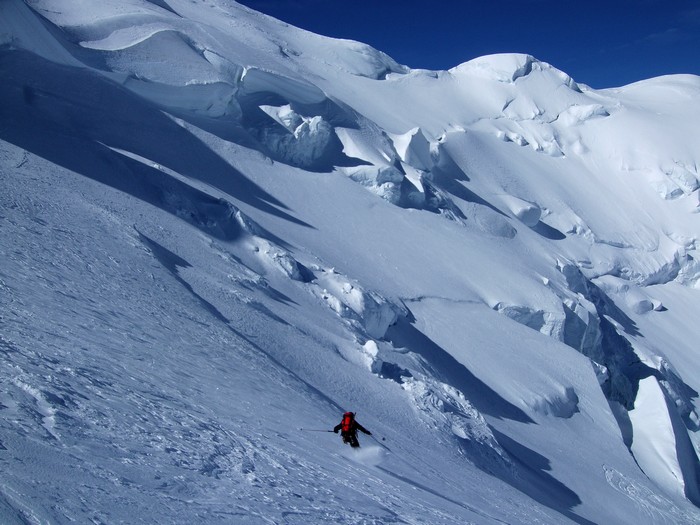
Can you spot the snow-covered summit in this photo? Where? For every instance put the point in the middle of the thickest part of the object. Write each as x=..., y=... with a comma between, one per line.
x=218, y=229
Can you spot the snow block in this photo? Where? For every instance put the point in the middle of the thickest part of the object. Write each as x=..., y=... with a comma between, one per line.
x=445, y=406
x=682, y=176
x=505, y=67
x=544, y=322
x=661, y=444
x=563, y=404
x=283, y=261
x=375, y=313
x=304, y=142
x=414, y=149
x=579, y=113
x=526, y=212
x=384, y=181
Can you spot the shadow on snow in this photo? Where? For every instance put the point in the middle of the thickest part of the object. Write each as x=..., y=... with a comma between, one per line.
x=73, y=117
x=448, y=369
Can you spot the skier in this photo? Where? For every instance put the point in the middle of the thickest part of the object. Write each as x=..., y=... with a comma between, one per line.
x=348, y=428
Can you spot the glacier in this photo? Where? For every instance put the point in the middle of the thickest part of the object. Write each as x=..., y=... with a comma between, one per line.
x=218, y=232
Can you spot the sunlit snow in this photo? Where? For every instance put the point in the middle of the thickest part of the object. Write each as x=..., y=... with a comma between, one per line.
x=219, y=232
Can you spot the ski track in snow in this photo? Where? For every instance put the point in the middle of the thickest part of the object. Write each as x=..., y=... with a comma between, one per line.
x=657, y=508
x=120, y=426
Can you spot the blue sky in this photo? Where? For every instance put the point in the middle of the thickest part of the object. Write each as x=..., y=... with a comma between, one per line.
x=602, y=44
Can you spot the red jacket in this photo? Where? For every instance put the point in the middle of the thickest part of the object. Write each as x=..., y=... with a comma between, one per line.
x=354, y=427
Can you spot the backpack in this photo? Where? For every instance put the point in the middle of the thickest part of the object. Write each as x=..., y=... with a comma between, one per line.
x=346, y=423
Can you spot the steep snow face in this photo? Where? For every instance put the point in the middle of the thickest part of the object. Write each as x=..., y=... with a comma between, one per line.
x=217, y=230
x=656, y=445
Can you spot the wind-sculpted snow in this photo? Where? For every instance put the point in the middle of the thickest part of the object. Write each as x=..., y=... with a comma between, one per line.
x=219, y=232
x=349, y=300
x=545, y=322
x=661, y=445
x=509, y=68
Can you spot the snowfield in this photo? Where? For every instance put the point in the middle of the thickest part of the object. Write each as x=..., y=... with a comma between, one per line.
x=219, y=232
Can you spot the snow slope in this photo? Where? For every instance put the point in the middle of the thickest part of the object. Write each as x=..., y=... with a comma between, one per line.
x=219, y=232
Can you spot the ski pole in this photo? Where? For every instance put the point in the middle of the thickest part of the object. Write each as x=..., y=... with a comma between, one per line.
x=313, y=430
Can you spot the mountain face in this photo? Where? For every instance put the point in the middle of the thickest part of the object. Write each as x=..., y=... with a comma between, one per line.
x=220, y=232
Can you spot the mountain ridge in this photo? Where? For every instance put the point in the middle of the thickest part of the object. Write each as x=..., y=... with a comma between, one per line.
x=310, y=216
